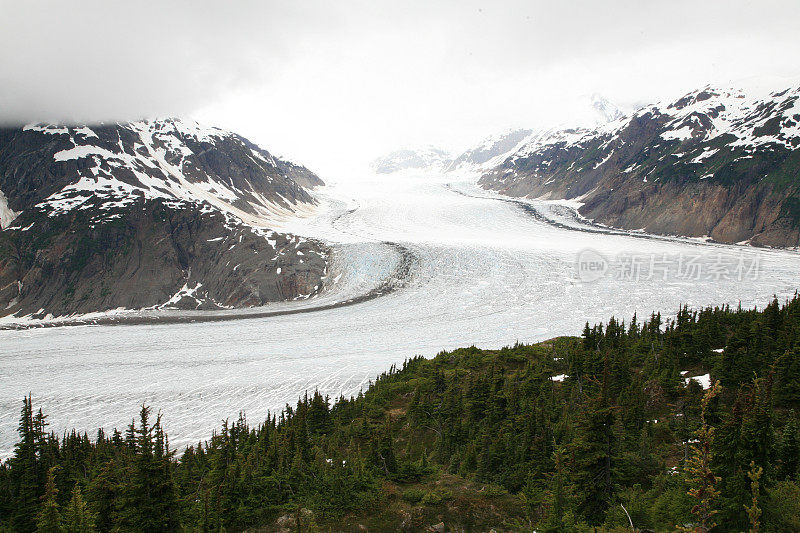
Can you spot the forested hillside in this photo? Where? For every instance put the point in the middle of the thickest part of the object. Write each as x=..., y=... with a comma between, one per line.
x=565, y=435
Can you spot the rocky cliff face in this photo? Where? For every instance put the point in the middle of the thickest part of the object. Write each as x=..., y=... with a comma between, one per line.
x=148, y=214
x=718, y=163
x=299, y=174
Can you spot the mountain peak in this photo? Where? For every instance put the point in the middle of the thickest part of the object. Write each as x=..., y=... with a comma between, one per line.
x=423, y=158
x=494, y=147
x=607, y=111
x=167, y=158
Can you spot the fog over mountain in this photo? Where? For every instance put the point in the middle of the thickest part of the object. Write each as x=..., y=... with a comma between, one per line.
x=335, y=85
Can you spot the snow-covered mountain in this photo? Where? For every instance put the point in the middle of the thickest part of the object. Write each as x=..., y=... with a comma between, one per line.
x=148, y=213
x=485, y=154
x=604, y=110
x=716, y=162
x=493, y=150
x=165, y=159
x=425, y=158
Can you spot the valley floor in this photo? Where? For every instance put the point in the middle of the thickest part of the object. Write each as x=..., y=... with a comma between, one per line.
x=446, y=265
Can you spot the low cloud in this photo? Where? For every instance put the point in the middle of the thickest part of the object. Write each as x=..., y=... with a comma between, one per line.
x=99, y=60
x=329, y=82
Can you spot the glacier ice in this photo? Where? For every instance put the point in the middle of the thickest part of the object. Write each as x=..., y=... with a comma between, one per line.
x=478, y=269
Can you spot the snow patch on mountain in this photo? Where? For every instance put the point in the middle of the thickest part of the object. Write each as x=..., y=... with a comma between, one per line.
x=185, y=293
x=753, y=120
x=490, y=151
x=7, y=215
x=161, y=163
x=50, y=129
x=740, y=118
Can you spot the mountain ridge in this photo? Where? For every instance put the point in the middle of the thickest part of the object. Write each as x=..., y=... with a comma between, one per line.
x=143, y=214
x=718, y=163
x=490, y=151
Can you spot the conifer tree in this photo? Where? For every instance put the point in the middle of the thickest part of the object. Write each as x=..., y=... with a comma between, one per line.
x=48, y=520
x=787, y=377
x=145, y=502
x=702, y=481
x=753, y=511
x=77, y=516
x=594, y=449
x=560, y=494
x=101, y=493
x=25, y=474
x=789, y=452
x=745, y=435
x=382, y=451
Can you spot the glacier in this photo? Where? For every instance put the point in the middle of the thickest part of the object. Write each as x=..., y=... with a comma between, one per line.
x=421, y=263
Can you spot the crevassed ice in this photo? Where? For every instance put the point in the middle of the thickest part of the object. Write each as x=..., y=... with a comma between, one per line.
x=482, y=271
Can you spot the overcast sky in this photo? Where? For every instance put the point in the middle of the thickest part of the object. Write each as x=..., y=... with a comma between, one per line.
x=334, y=83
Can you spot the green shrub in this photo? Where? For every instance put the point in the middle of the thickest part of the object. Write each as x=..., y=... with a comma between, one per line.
x=435, y=497
x=413, y=495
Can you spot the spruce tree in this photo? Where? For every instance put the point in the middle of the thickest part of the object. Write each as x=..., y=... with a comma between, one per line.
x=145, y=501
x=753, y=510
x=560, y=497
x=593, y=449
x=48, y=520
x=25, y=477
x=101, y=493
x=702, y=481
x=77, y=516
x=789, y=451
